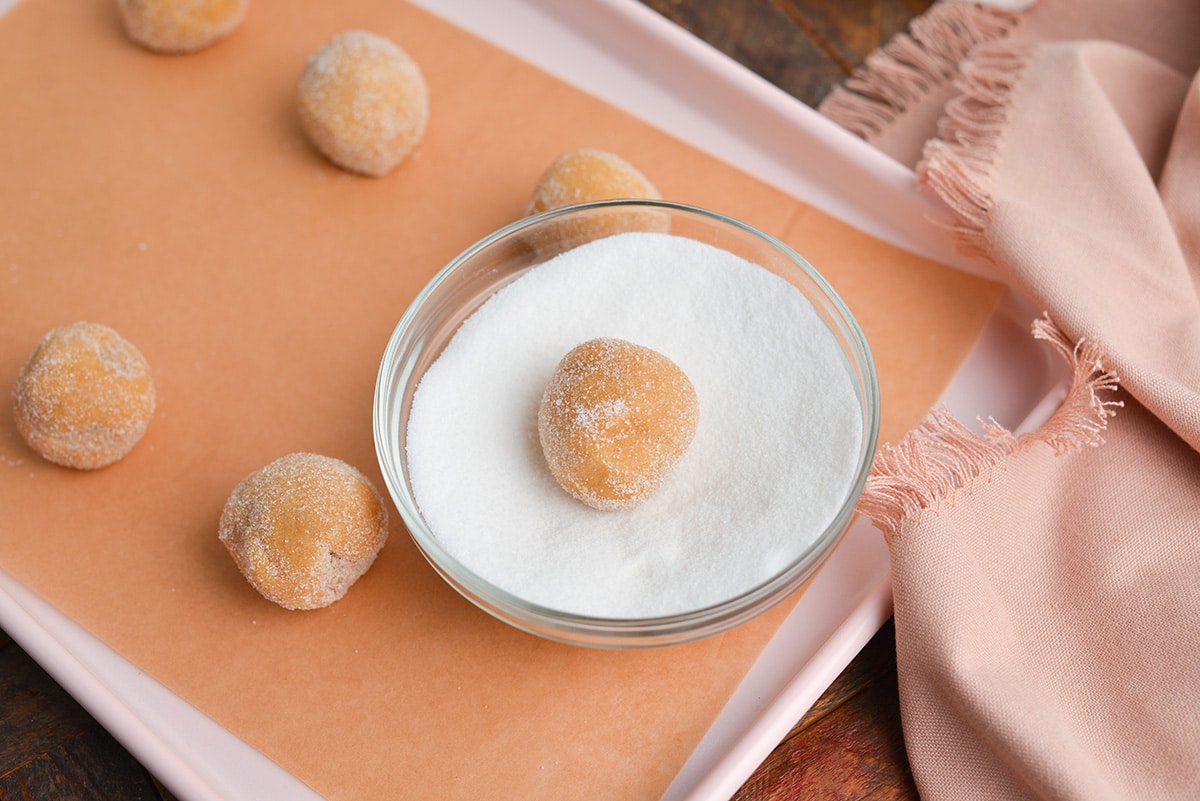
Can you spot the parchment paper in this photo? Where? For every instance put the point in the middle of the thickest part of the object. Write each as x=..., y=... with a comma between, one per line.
x=175, y=199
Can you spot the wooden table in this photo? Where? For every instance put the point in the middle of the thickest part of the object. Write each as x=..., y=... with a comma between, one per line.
x=849, y=746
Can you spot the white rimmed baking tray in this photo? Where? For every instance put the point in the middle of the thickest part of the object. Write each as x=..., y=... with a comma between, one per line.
x=626, y=54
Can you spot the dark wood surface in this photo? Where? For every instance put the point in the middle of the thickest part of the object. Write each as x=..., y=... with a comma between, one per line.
x=802, y=46
x=849, y=746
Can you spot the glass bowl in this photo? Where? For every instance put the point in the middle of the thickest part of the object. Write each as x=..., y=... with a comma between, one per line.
x=464, y=284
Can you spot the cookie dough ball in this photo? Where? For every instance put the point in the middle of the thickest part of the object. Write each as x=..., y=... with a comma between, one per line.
x=613, y=420
x=582, y=176
x=84, y=397
x=180, y=26
x=579, y=176
x=363, y=102
x=303, y=529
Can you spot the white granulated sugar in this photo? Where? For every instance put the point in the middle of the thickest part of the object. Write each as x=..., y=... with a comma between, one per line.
x=772, y=460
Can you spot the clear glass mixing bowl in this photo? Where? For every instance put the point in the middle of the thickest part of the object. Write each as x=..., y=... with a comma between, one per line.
x=501, y=257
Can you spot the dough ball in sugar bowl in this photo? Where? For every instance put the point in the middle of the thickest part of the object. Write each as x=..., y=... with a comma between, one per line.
x=614, y=419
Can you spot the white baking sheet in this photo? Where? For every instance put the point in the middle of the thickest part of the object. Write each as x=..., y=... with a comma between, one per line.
x=628, y=55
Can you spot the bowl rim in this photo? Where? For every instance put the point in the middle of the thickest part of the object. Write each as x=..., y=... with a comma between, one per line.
x=575, y=628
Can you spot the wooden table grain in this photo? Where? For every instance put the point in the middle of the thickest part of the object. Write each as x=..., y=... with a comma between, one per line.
x=849, y=747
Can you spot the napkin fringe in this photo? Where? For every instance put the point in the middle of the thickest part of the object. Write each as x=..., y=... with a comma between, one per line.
x=942, y=457
x=1082, y=418
x=913, y=64
x=960, y=163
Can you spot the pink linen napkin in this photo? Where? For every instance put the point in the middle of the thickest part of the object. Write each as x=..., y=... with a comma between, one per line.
x=1047, y=593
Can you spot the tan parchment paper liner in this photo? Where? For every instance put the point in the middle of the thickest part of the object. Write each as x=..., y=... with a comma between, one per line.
x=175, y=199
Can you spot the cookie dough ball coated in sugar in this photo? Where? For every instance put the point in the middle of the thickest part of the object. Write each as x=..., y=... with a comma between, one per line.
x=303, y=529
x=583, y=176
x=580, y=176
x=84, y=397
x=613, y=420
x=363, y=102
x=180, y=26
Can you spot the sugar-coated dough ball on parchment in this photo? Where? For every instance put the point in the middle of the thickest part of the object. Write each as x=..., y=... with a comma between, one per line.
x=583, y=176
x=580, y=176
x=303, y=529
x=614, y=419
x=180, y=26
x=363, y=102
x=84, y=397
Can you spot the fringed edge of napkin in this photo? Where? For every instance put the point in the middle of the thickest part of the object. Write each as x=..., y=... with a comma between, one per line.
x=972, y=45
x=942, y=458
x=959, y=164
x=912, y=64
